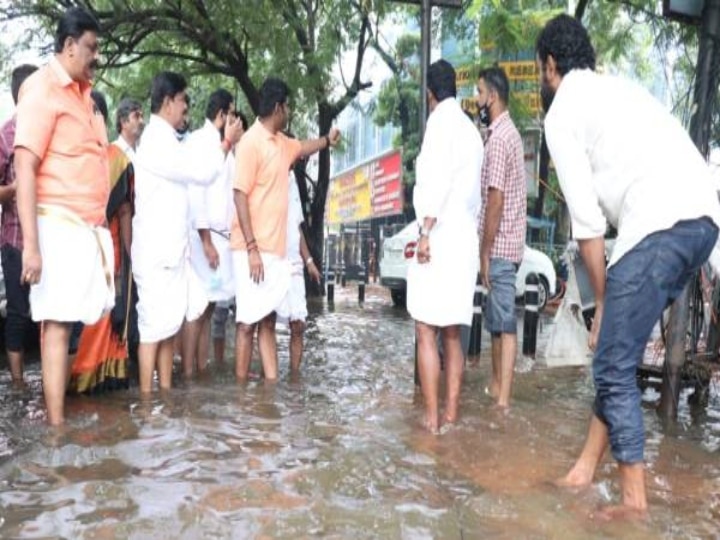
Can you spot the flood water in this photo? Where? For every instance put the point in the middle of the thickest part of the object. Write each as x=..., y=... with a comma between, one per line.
x=339, y=453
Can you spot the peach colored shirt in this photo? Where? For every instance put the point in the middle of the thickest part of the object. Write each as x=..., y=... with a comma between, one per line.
x=56, y=121
x=262, y=162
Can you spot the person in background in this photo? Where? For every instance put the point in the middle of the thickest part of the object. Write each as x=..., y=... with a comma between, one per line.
x=101, y=360
x=18, y=324
x=441, y=279
x=503, y=222
x=294, y=309
x=210, y=236
x=221, y=313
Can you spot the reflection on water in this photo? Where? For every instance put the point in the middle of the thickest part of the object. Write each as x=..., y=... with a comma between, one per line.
x=338, y=453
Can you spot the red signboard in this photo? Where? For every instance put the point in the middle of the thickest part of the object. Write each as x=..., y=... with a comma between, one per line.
x=373, y=189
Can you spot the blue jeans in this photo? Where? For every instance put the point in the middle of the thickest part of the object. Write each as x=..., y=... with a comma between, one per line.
x=639, y=287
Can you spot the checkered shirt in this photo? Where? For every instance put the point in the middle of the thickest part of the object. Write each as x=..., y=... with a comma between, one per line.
x=504, y=169
x=10, y=233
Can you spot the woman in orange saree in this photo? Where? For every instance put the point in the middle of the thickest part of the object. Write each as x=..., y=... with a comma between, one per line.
x=102, y=355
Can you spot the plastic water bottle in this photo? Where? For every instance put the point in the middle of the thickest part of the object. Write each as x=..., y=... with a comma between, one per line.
x=215, y=281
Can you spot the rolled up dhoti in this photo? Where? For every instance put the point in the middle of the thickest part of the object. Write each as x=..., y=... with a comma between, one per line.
x=76, y=283
x=253, y=300
x=166, y=296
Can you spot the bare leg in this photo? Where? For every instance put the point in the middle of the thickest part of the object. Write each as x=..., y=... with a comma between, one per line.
x=508, y=351
x=454, y=365
x=297, y=329
x=203, y=344
x=429, y=368
x=268, y=347
x=582, y=473
x=632, y=479
x=147, y=354
x=243, y=349
x=189, y=337
x=56, y=338
x=16, y=360
x=165, y=362
x=496, y=367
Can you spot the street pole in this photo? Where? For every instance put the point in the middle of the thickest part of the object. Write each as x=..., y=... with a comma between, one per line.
x=706, y=86
x=425, y=40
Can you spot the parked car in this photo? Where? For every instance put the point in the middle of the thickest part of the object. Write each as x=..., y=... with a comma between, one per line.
x=398, y=249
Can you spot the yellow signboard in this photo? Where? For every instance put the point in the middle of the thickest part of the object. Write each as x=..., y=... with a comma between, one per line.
x=524, y=70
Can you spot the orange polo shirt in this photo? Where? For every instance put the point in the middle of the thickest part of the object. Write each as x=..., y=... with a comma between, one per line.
x=262, y=166
x=56, y=122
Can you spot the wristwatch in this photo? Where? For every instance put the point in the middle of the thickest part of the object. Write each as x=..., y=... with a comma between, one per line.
x=424, y=231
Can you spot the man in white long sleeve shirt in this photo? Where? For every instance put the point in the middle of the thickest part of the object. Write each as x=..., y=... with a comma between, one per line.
x=441, y=281
x=210, y=216
x=622, y=158
x=168, y=288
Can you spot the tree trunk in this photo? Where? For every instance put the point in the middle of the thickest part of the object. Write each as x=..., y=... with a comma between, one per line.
x=316, y=219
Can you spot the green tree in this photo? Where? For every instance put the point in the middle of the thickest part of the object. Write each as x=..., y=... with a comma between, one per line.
x=298, y=40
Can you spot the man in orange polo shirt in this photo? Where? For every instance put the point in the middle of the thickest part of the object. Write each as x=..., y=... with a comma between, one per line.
x=62, y=190
x=262, y=273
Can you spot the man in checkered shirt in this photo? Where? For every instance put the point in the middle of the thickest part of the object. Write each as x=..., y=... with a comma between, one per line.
x=503, y=220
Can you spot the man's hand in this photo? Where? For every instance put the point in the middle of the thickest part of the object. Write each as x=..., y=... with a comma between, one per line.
x=334, y=137
x=257, y=271
x=485, y=271
x=313, y=271
x=423, y=250
x=233, y=130
x=595, y=328
x=211, y=254
x=31, y=265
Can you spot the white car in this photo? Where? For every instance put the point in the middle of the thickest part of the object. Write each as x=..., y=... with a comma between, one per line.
x=397, y=250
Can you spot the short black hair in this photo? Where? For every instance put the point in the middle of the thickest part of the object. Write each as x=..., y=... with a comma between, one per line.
x=272, y=92
x=567, y=41
x=100, y=103
x=73, y=24
x=441, y=80
x=19, y=74
x=220, y=100
x=165, y=84
x=124, y=109
x=242, y=118
x=496, y=79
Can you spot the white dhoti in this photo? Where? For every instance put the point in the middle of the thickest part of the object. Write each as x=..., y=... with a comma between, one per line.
x=219, y=283
x=166, y=296
x=254, y=301
x=441, y=292
x=76, y=282
x=294, y=308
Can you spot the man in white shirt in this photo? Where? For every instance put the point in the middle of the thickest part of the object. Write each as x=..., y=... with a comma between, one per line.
x=294, y=309
x=441, y=280
x=622, y=159
x=210, y=217
x=168, y=288
x=129, y=123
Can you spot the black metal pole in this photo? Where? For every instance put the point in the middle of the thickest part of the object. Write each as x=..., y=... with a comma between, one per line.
x=700, y=123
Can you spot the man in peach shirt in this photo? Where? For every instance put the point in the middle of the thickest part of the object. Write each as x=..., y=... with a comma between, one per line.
x=62, y=191
x=258, y=237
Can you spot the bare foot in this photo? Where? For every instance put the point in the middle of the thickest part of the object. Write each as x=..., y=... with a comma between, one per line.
x=620, y=512
x=449, y=418
x=431, y=424
x=493, y=390
x=578, y=477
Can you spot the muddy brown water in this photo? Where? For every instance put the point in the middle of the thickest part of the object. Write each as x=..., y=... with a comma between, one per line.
x=338, y=453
